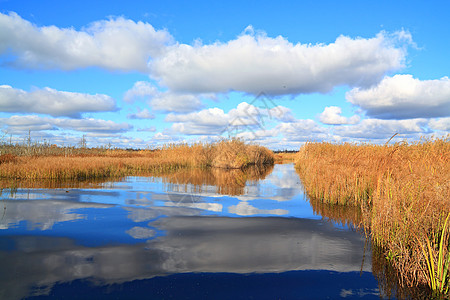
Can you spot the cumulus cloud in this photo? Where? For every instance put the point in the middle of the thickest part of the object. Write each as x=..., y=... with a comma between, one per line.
x=92, y=125
x=302, y=130
x=331, y=115
x=404, y=97
x=381, y=129
x=255, y=63
x=148, y=129
x=175, y=102
x=27, y=123
x=20, y=124
x=161, y=137
x=140, y=90
x=214, y=121
x=141, y=114
x=440, y=124
x=281, y=113
x=166, y=101
x=114, y=44
x=116, y=141
x=211, y=121
x=251, y=114
x=53, y=102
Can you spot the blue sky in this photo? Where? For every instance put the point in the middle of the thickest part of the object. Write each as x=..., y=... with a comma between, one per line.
x=146, y=73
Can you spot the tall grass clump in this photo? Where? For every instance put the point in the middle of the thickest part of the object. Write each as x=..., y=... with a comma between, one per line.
x=235, y=154
x=437, y=263
x=403, y=190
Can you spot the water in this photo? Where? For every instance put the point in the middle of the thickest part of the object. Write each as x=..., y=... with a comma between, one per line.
x=188, y=235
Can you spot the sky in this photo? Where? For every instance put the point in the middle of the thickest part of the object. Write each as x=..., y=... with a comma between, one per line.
x=142, y=74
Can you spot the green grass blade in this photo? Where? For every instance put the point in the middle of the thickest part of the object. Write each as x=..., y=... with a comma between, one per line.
x=431, y=265
x=427, y=260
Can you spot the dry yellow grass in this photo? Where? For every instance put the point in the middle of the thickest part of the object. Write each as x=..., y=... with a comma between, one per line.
x=402, y=189
x=285, y=157
x=231, y=154
x=235, y=154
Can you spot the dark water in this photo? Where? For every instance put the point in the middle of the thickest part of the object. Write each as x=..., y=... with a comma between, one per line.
x=188, y=235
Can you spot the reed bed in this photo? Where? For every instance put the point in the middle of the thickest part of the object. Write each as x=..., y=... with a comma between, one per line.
x=92, y=164
x=403, y=191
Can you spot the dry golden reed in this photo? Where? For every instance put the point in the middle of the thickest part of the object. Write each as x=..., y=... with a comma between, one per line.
x=235, y=154
x=230, y=154
x=285, y=157
x=403, y=190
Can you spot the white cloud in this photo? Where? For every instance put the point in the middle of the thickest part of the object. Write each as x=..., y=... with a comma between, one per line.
x=281, y=113
x=381, y=129
x=141, y=114
x=105, y=135
x=211, y=121
x=246, y=115
x=92, y=125
x=117, y=141
x=166, y=101
x=114, y=44
x=22, y=124
x=148, y=129
x=404, y=97
x=214, y=121
x=53, y=102
x=332, y=115
x=261, y=136
x=161, y=137
x=256, y=63
x=175, y=102
x=302, y=130
x=440, y=124
x=140, y=90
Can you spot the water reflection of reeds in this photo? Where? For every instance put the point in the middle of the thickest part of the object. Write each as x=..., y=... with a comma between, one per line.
x=226, y=181
x=350, y=216
x=55, y=184
x=390, y=279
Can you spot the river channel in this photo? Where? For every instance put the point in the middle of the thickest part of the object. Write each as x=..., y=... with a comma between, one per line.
x=186, y=235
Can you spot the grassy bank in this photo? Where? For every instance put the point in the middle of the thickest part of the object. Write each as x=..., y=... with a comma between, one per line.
x=102, y=163
x=403, y=191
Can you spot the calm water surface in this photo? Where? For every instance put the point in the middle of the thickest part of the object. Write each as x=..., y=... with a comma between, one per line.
x=190, y=235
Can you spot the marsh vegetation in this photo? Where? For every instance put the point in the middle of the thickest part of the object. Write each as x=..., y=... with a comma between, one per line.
x=403, y=193
x=80, y=164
